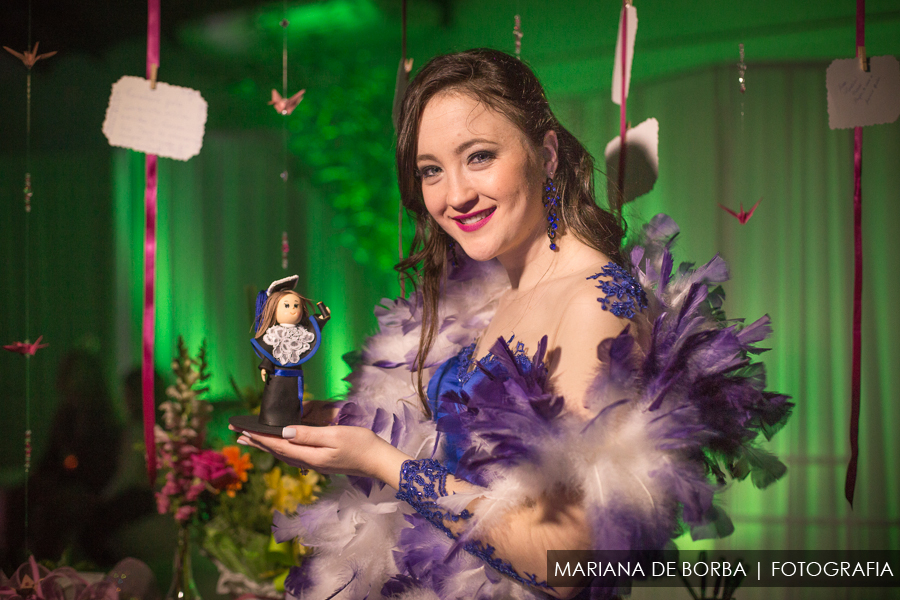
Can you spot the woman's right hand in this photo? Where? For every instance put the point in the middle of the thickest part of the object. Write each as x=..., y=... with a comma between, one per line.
x=262, y=373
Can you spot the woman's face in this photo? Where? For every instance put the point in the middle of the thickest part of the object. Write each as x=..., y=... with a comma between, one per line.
x=288, y=310
x=481, y=177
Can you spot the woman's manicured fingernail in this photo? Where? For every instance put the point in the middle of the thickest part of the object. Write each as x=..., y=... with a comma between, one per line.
x=243, y=442
x=288, y=433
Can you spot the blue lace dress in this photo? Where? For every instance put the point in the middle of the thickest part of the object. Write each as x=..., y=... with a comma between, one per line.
x=463, y=391
x=456, y=379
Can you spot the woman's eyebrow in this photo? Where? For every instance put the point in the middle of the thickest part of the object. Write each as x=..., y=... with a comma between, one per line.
x=459, y=149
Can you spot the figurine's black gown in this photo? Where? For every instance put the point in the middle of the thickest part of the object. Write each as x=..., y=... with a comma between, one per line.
x=282, y=399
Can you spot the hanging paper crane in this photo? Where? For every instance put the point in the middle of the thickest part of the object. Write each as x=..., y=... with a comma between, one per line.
x=742, y=216
x=286, y=106
x=29, y=58
x=26, y=347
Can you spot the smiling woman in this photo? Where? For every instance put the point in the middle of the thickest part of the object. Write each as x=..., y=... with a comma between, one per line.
x=592, y=431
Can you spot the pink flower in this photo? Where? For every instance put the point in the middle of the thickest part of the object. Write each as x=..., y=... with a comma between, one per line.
x=170, y=489
x=211, y=466
x=184, y=513
x=162, y=503
x=194, y=491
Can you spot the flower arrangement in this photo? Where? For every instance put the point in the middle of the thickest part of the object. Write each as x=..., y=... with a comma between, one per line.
x=237, y=524
x=186, y=467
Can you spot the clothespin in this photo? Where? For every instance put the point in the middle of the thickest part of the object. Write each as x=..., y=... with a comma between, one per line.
x=153, y=69
x=863, y=60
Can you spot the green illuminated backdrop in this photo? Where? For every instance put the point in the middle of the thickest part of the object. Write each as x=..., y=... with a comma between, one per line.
x=222, y=213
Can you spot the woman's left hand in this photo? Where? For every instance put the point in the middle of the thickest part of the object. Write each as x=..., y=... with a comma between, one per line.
x=340, y=449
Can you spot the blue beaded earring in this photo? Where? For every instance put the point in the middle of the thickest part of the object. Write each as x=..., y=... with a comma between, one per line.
x=551, y=202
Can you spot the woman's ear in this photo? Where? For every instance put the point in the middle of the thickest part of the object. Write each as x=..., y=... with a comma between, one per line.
x=550, y=152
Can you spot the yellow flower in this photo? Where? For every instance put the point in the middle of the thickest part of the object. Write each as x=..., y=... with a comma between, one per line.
x=240, y=463
x=285, y=492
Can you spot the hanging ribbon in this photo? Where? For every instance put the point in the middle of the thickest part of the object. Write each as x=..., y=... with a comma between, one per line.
x=150, y=258
x=850, y=483
x=623, y=124
x=855, y=381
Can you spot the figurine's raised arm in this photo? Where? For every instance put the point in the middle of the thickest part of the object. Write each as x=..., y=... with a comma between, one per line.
x=323, y=316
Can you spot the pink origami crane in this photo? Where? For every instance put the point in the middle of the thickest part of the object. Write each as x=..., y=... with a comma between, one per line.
x=29, y=58
x=25, y=347
x=742, y=216
x=286, y=106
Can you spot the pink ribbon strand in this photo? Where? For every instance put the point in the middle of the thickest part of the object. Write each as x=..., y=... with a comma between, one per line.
x=855, y=377
x=150, y=209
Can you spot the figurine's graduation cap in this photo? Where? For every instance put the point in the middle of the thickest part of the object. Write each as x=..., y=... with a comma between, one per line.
x=288, y=283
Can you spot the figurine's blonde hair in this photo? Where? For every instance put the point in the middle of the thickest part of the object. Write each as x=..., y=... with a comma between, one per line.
x=268, y=312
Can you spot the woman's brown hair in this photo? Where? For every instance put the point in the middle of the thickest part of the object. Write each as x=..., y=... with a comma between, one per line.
x=268, y=312
x=506, y=85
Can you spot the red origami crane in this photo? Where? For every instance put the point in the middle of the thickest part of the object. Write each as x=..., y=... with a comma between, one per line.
x=742, y=216
x=25, y=347
x=29, y=58
x=286, y=106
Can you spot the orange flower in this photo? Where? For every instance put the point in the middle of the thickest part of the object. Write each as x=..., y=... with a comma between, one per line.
x=240, y=463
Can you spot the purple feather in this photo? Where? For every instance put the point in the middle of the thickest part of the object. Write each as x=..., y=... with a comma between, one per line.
x=380, y=423
x=388, y=364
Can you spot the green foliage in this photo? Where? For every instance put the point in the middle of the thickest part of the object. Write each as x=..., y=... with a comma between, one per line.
x=238, y=533
x=343, y=135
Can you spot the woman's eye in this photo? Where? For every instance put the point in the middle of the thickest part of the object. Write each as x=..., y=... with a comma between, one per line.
x=481, y=157
x=429, y=171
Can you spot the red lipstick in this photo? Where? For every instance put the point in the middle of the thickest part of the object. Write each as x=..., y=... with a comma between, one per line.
x=474, y=226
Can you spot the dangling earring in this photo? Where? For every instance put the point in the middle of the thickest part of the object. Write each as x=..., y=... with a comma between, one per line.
x=551, y=202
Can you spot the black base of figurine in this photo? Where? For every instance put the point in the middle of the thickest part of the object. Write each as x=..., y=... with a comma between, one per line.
x=251, y=423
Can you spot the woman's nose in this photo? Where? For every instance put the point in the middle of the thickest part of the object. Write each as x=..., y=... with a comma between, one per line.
x=461, y=194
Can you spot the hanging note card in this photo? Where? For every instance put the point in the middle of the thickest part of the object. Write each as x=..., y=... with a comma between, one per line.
x=167, y=121
x=858, y=98
x=641, y=160
x=629, y=12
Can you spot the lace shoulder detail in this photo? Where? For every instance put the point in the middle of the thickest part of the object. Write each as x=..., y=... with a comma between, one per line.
x=624, y=295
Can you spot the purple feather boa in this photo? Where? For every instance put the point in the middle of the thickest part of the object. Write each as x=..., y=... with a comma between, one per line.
x=675, y=418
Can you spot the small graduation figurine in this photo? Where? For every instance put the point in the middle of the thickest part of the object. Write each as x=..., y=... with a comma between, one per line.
x=287, y=335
